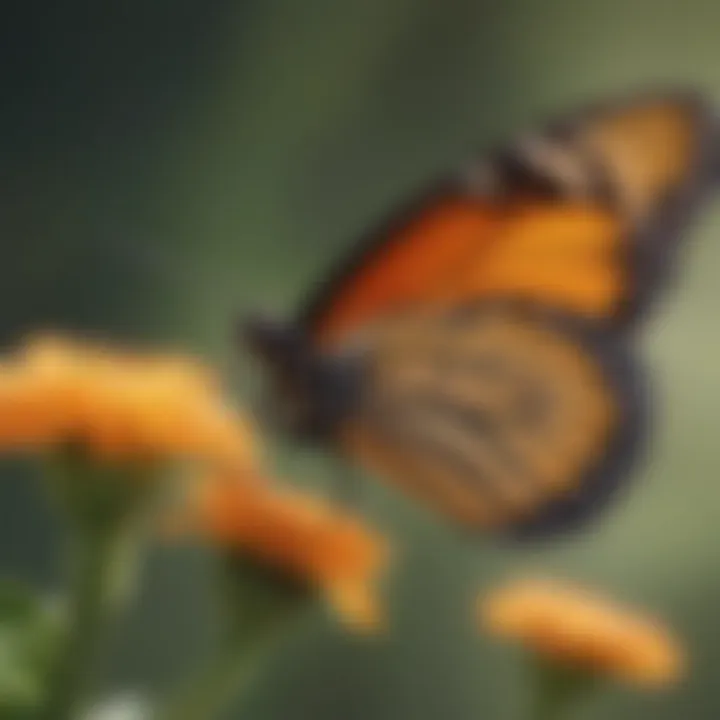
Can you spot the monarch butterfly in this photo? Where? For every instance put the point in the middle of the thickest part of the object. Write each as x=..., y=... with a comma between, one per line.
x=478, y=350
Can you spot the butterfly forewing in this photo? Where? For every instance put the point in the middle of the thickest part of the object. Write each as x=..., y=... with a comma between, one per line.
x=645, y=151
x=579, y=218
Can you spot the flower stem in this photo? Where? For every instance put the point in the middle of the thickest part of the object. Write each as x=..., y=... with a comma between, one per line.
x=558, y=690
x=216, y=687
x=257, y=608
x=103, y=507
x=551, y=706
x=92, y=604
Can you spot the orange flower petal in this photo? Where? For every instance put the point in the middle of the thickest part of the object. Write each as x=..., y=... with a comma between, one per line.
x=358, y=604
x=119, y=404
x=574, y=627
x=299, y=535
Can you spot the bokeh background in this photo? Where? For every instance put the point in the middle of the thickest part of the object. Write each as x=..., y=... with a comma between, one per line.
x=165, y=165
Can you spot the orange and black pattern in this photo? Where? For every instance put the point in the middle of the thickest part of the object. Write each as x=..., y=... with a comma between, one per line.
x=569, y=219
x=491, y=415
x=491, y=317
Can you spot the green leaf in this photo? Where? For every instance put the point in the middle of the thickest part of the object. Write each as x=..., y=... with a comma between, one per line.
x=30, y=629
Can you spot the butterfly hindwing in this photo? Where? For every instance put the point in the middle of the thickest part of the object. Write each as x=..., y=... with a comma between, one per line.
x=581, y=217
x=497, y=417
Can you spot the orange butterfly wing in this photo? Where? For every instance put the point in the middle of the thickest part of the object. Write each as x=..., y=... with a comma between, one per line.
x=498, y=419
x=573, y=219
x=574, y=230
x=567, y=257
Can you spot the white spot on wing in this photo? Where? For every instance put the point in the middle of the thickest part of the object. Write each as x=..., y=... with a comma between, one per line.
x=558, y=161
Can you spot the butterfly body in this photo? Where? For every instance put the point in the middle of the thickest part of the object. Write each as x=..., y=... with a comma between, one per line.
x=315, y=391
x=478, y=349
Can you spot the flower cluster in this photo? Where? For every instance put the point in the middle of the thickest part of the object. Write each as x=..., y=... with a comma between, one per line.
x=572, y=626
x=120, y=405
x=117, y=405
x=299, y=535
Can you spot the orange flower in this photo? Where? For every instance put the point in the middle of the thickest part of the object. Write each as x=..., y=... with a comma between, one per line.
x=573, y=627
x=118, y=405
x=299, y=535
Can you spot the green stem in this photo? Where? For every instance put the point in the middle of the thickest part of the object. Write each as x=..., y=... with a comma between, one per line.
x=258, y=607
x=226, y=677
x=104, y=509
x=551, y=706
x=92, y=604
x=558, y=690
x=215, y=688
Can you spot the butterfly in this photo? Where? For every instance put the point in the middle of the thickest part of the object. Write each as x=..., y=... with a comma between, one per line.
x=478, y=349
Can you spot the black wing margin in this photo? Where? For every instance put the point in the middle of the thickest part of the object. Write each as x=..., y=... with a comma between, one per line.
x=651, y=158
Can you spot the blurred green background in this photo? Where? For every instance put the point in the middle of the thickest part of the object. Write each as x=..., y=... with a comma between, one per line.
x=164, y=165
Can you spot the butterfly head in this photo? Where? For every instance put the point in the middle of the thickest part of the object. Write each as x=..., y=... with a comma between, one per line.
x=307, y=392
